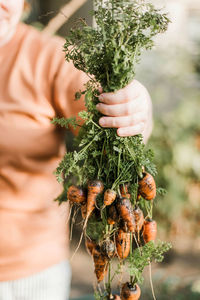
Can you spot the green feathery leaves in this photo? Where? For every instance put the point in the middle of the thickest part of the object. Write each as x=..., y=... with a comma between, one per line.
x=108, y=54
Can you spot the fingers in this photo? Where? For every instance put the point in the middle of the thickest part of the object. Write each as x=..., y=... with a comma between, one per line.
x=123, y=121
x=100, y=90
x=129, y=110
x=131, y=131
x=126, y=94
x=123, y=109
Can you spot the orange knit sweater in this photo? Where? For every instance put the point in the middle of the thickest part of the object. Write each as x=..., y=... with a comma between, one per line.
x=36, y=84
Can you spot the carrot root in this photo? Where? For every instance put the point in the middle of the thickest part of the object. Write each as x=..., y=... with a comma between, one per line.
x=125, y=210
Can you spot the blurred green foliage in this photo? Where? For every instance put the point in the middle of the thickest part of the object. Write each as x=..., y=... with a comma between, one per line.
x=175, y=91
x=170, y=289
x=176, y=144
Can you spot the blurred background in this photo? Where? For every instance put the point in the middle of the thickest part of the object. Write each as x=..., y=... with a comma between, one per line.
x=171, y=73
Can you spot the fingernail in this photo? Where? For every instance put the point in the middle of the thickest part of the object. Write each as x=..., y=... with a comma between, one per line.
x=97, y=106
x=102, y=122
x=121, y=131
x=101, y=97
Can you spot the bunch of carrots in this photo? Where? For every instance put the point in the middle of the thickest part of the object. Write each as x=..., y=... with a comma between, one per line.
x=125, y=223
x=114, y=176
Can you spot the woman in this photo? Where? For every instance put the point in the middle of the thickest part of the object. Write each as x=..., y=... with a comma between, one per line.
x=37, y=85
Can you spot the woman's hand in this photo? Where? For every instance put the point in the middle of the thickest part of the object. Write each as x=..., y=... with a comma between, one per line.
x=128, y=109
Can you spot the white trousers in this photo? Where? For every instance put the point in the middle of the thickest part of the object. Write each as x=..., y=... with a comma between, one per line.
x=50, y=284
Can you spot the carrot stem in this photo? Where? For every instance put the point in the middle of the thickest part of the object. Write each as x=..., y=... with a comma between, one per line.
x=137, y=244
x=117, y=181
x=147, y=209
x=119, y=159
x=112, y=10
x=102, y=153
x=95, y=124
x=151, y=210
x=131, y=245
x=107, y=229
x=131, y=254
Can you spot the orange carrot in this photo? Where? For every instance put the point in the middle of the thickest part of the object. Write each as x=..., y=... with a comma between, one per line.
x=108, y=248
x=125, y=210
x=95, y=187
x=123, y=226
x=90, y=245
x=124, y=191
x=115, y=297
x=147, y=187
x=100, y=264
x=123, y=244
x=109, y=197
x=76, y=195
x=84, y=210
x=149, y=230
x=113, y=216
x=139, y=218
x=130, y=291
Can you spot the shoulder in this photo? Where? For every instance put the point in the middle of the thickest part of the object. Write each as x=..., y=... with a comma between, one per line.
x=38, y=41
x=44, y=54
x=46, y=60
x=31, y=33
